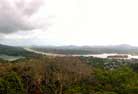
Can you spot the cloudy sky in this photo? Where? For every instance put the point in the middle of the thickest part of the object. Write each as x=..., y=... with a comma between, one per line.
x=68, y=22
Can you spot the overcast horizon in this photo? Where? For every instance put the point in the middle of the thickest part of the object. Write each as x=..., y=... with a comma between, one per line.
x=68, y=22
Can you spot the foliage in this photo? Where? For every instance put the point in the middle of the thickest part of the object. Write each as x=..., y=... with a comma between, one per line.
x=11, y=84
x=67, y=75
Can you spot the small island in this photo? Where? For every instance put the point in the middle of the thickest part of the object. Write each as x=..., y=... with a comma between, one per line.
x=118, y=56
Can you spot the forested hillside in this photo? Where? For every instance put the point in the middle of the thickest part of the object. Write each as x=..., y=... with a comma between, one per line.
x=68, y=75
x=14, y=51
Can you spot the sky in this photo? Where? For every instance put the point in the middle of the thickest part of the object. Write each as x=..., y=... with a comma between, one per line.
x=68, y=22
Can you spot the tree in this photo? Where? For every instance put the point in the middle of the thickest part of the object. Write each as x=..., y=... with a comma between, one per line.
x=11, y=84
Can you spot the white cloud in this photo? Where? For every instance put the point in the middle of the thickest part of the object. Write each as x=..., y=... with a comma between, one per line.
x=88, y=22
x=15, y=15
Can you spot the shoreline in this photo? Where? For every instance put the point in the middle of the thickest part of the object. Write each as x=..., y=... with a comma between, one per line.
x=104, y=55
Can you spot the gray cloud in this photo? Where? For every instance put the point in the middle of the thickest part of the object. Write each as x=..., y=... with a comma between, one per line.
x=15, y=15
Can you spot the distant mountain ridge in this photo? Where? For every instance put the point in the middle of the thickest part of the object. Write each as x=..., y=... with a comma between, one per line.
x=20, y=51
x=120, y=49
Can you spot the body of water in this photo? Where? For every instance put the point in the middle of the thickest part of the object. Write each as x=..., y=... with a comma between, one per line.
x=104, y=55
x=10, y=58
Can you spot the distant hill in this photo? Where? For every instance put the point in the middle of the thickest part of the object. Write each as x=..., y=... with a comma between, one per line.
x=120, y=49
x=13, y=51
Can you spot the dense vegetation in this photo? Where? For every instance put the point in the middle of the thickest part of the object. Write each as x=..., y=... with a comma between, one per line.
x=68, y=75
x=14, y=51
